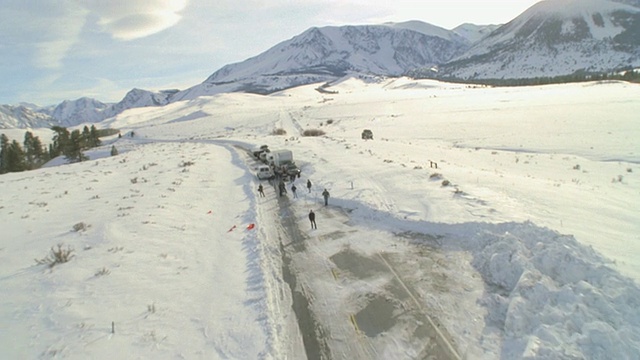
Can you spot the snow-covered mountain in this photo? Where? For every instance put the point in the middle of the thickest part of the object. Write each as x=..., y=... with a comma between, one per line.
x=83, y=110
x=139, y=98
x=74, y=112
x=23, y=117
x=328, y=53
x=429, y=30
x=552, y=38
x=474, y=33
x=556, y=37
x=70, y=113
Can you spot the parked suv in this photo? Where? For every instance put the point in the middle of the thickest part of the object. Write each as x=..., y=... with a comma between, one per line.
x=264, y=172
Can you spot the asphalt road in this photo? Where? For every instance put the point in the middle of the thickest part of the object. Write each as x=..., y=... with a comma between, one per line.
x=330, y=328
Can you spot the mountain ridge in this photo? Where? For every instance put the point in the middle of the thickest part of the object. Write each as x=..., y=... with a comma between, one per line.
x=551, y=38
x=554, y=38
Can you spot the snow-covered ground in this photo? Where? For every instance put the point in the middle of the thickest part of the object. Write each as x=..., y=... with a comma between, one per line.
x=531, y=251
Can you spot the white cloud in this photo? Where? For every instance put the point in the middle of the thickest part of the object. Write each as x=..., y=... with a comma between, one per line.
x=133, y=19
x=48, y=30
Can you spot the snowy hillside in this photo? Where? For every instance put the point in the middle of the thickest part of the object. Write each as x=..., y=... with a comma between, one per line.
x=521, y=244
x=556, y=37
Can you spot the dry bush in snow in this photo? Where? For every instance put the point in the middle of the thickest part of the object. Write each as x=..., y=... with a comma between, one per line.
x=313, y=132
x=80, y=227
x=57, y=256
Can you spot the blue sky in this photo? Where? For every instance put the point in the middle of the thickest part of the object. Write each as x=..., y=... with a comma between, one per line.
x=55, y=50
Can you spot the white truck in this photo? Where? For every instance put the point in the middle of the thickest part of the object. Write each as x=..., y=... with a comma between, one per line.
x=278, y=158
x=282, y=163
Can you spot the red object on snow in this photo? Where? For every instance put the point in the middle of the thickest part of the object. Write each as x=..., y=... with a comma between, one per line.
x=251, y=226
x=209, y=212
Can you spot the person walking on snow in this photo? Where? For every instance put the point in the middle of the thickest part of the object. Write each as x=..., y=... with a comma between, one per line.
x=261, y=190
x=293, y=190
x=309, y=185
x=312, y=219
x=325, y=194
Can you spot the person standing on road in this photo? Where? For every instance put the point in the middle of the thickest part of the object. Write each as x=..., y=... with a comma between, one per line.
x=261, y=190
x=293, y=190
x=282, y=187
x=325, y=194
x=309, y=185
x=312, y=219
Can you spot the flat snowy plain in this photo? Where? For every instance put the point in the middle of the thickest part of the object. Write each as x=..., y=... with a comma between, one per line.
x=530, y=252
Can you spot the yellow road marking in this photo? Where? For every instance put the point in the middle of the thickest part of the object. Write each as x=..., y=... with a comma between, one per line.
x=335, y=274
x=355, y=324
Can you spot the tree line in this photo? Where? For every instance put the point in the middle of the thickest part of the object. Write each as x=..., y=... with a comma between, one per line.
x=32, y=154
x=578, y=76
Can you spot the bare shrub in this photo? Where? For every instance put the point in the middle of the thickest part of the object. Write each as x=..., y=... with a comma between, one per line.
x=186, y=163
x=435, y=176
x=56, y=256
x=330, y=121
x=446, y=183
x=313, y=132
x=279, y=131
x=103, y=271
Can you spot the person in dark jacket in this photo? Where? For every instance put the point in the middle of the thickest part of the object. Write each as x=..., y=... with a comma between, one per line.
x=325, y=194
x=309, y=185
x=283, y=188
x=312, y=219
x=293, y=190
x=261, y=190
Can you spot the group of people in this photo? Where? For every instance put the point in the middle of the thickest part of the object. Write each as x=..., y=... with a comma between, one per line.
x=283, y=190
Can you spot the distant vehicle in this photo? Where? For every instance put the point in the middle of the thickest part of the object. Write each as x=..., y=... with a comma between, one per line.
x=291, y=169
x=257, y=151
x=264, y=172
x=263, y=156
x=367, y=134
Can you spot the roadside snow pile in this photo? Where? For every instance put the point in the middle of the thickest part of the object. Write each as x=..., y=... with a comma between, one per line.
x=552, y=296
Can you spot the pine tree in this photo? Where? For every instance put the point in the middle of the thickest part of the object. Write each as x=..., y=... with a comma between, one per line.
x=60, y=141
x=40, y=151
x=28, y=143
x=94, y=137
x=85, y=139
x=4, y=154
x=34, y=151
x=114, y=151
x=73, y=150
x=15, y=157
